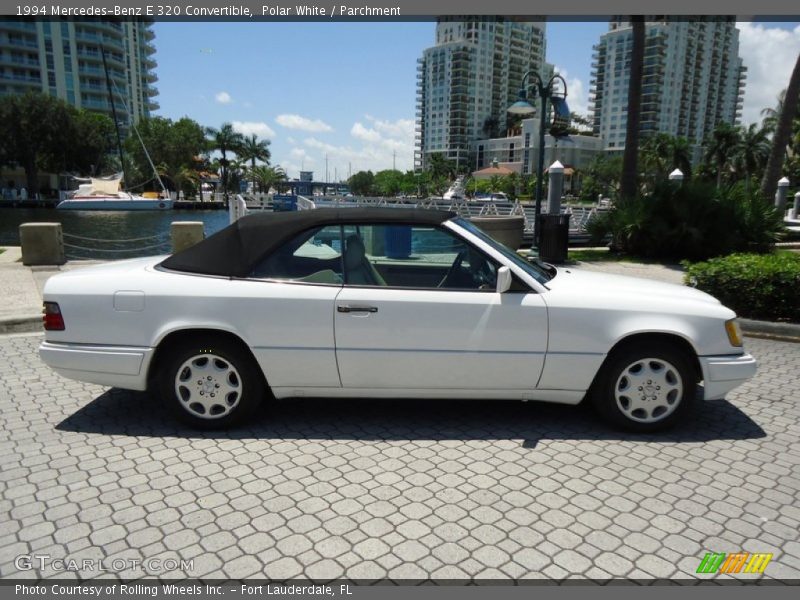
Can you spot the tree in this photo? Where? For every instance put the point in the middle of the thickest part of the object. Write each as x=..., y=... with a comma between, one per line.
x=721, y=147
x=388, y=182
x=580, y=125
x=783, y=131
x=361, y=183
x=266, y=176
x=93, y=143
x=173, y=146
x=752, y=151
x=254, y=150
x=491, y=126
x=35, y=129
x=226, y=141
x=441, y=167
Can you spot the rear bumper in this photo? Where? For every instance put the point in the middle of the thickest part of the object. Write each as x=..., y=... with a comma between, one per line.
x=721, y=374
x=116, y=366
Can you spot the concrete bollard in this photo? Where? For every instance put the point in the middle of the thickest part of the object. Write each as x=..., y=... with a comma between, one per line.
x=796, y=207
x=42, y=244
x=780, y=195
x=185, y=234
x=555, y=188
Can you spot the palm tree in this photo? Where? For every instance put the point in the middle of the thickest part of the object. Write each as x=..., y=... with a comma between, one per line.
x=267, y=176
x=752, y=151
x=656, y=153
x=490, y=126
x=179, y=175
x=720, y=148
x=225, y=140
x=440, y=166
x=681, y=155
x=254, y=150
x=783, y=131
x=631, y=155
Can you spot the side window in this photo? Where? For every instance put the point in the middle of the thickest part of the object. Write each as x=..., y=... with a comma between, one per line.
x=411, y=256
x=314, y=256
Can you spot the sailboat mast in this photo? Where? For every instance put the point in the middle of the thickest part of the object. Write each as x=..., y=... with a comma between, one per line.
x=113, y=113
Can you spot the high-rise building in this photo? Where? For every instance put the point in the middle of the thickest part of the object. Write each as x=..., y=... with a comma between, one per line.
x=466, y=82
x=693, y=78
x=64, y=58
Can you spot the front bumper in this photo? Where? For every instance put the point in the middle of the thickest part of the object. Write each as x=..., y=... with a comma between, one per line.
x=116, y=366
x=721, y=374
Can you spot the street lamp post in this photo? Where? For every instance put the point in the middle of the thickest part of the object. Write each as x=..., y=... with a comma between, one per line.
x=524, y=108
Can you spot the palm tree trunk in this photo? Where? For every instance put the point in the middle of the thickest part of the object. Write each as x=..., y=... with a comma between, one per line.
x=630, y=167
x=769, y=183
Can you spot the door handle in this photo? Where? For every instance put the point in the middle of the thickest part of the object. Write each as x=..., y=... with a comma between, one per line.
x=345, y=308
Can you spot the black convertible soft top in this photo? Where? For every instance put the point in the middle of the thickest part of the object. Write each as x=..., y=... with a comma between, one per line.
x=235, y=250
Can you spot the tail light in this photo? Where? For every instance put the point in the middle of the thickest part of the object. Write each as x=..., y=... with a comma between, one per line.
x=53, y=319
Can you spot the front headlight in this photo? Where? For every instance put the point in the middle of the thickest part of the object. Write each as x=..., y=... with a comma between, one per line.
x=734, y=332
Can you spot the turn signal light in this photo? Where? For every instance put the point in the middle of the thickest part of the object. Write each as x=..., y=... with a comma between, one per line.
x=53, y=319
x=734, y=332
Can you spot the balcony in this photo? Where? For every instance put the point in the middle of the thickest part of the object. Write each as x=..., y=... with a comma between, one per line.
x=21, y=79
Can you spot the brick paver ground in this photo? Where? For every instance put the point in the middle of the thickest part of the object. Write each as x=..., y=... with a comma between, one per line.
x=406, y=490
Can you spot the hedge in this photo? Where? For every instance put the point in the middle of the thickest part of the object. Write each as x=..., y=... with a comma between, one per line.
x=756, y=286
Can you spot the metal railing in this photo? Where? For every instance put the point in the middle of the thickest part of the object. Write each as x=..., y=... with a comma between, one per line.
x=79, y=247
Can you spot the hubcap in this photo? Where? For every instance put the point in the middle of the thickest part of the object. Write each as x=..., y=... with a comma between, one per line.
x=648, y=390
x=208, y=386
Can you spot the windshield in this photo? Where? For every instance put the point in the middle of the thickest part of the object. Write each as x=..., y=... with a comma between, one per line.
x=539, y=273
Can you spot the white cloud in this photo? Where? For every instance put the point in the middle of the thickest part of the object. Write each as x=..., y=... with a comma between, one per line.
x=577, y=98
x=302, y=123
x=375, y=146
x=364, y=133
x=769, y=53
x=259, y=128
x=223, y=97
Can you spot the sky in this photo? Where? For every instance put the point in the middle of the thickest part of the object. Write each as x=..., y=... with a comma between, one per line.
x=347, y=90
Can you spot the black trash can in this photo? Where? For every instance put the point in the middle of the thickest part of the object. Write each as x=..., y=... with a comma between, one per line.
x=553, y=233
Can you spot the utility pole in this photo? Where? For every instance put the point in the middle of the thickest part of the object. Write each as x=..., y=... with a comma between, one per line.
x=394, y=160
x=349, y=170
x=326, y=168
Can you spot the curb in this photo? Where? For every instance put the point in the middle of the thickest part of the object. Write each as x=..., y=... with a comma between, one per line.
x=784, y=332
x=22, y=324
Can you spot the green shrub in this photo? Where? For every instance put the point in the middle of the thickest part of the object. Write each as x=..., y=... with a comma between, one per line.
x=691, y=221
x=756, y=286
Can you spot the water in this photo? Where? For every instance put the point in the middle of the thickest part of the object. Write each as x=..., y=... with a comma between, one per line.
x=109, y=225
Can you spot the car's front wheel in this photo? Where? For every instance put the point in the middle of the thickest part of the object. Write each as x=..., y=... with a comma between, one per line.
x=646, y=388
x=211, y=385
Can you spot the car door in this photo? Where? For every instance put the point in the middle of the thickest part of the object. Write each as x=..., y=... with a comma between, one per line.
x=289, y=320
x=419, y=310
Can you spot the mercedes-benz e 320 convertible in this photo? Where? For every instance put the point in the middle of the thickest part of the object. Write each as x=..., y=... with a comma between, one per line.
x=385, y=302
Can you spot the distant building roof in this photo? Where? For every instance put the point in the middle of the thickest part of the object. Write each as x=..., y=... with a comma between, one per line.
x=491, y=172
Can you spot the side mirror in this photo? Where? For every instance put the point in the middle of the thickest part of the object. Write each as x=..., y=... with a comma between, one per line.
x=503, y=279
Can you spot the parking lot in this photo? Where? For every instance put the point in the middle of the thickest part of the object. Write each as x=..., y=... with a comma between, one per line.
x=400, y=490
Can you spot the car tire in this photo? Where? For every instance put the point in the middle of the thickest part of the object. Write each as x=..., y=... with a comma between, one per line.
x=211, y=384
x=646, y=387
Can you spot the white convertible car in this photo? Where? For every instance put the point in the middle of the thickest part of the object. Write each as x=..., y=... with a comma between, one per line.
x=386, y=303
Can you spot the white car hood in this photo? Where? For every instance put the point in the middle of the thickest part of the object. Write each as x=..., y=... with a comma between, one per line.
x=590, y=283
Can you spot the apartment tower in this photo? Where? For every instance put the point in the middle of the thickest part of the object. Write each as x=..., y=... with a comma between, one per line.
x=468, y=79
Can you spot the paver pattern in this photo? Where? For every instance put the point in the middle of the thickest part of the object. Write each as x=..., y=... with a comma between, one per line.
x=400, y=490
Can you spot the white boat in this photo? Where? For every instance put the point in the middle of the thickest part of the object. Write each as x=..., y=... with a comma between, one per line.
x=106, y=194
x=456, y=191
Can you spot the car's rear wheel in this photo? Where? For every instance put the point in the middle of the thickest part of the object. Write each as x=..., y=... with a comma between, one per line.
x=646, y=388
x=211, y=385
